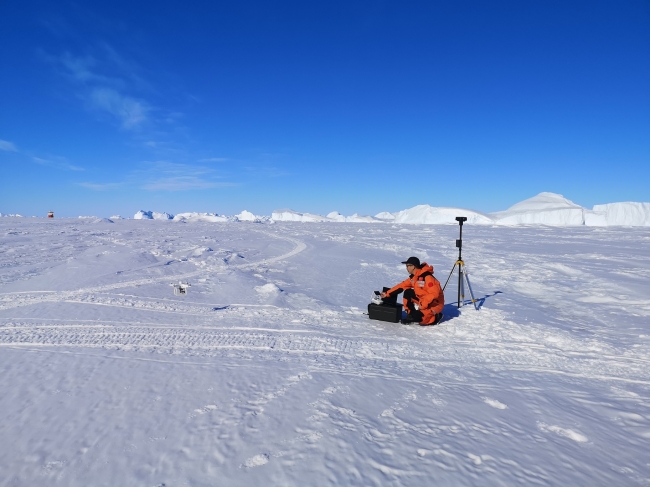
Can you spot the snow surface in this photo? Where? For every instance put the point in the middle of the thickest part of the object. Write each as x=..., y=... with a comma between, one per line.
x=268, y=373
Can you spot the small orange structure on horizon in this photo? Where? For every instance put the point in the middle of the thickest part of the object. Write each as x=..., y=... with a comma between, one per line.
x=50, y=214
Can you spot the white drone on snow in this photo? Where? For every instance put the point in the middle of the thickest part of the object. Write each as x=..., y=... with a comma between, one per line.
x=180, y=289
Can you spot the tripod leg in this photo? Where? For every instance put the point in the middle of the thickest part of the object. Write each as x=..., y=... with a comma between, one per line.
x=452, y=271
x=471, y=292
x=461, y=286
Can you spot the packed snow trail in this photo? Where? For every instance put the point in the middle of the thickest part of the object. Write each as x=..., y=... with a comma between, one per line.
x=492, y=355
x=268, y=373
x=13, y=299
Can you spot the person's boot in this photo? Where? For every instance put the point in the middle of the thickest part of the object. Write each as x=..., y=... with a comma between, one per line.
x=408, y=320
x=436, y=320
x=412, y=315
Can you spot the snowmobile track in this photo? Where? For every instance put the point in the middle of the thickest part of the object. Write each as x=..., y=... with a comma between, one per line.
x=361, y=351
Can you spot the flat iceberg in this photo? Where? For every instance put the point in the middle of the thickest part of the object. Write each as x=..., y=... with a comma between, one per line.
x=287, y=215
x=625, y=214
x=201, y=217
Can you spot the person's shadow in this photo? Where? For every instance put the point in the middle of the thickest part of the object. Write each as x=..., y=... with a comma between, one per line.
x=451, y=310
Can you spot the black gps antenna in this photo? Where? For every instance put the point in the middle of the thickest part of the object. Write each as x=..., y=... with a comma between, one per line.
x=462, y=270
x=459, y=241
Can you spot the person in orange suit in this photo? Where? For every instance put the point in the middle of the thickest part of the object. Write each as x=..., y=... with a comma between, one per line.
x=423, y=296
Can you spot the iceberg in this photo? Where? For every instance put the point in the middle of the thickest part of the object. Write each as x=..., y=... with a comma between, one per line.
x=625, y=214
x=287, y=215
x=543, y=209
x=152, y=215
x=247, y=216
x=201, y=217
x=385, y=215
x=356, y=218
x=431, y=215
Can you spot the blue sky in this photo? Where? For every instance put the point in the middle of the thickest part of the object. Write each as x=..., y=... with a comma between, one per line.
x=112, y=107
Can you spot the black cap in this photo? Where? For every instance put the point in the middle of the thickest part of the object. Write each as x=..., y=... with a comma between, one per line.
x=413, y=261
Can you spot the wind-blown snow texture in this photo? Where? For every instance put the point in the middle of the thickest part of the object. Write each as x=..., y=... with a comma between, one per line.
x=268, y=373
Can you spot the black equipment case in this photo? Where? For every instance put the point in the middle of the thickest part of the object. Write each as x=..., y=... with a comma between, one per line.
x=385, y=312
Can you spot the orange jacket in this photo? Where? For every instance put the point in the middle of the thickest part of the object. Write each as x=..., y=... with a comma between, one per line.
x=426, y=287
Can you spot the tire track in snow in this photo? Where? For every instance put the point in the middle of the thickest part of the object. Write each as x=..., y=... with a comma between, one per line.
x=358, y=353
x=27, y=298
x=299, y=247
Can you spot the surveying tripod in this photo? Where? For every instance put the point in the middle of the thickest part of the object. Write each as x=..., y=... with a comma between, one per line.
x=462, y=270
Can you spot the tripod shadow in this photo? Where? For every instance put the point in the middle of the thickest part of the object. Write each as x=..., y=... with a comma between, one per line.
x=451, y=310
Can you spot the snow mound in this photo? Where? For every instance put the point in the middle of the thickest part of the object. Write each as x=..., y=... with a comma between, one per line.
x=116, y=217
x=201, y=217
x=16, y=215
x=257, y=461
x=430, y=215
x=287, y=215
x=567, y=433
x=102, y=220
x=269, y=288
x=200, y=251
x=233, y=257
x=543, y=209
x=627, y=214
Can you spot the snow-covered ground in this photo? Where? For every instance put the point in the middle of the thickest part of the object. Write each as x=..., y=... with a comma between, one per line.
x=269, y=373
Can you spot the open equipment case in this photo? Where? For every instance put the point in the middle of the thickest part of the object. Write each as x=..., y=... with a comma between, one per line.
x=385, y=309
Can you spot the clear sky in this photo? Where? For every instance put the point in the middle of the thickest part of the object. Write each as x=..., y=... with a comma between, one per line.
x=220, y=106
